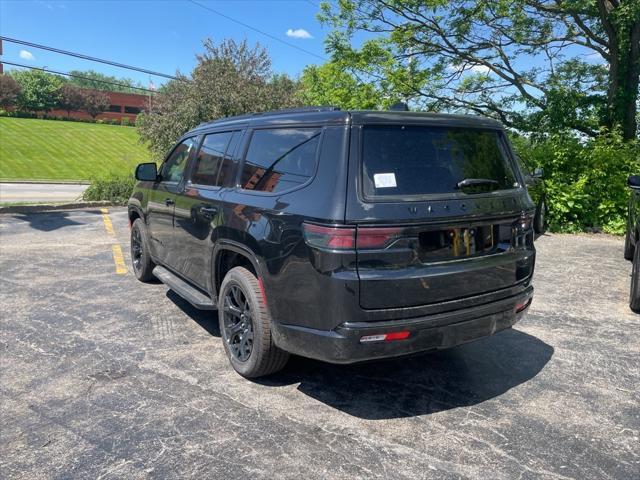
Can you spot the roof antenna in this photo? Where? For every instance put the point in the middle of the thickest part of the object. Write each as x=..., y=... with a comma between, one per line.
x=399, y=107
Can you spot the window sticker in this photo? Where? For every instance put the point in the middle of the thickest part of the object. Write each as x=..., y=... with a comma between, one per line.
x=385, y=180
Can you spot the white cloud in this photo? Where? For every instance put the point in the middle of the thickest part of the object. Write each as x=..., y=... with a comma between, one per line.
x=469, y=68
x=299, y=33
x=26, y=55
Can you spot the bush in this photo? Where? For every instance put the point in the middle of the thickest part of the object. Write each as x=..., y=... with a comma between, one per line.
x=585, y=180
x=116, y=189
x=124, y=121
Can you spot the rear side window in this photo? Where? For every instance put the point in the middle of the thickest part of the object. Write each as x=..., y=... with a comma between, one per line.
x=210, y=158
x=414, y=161
x=280, y=159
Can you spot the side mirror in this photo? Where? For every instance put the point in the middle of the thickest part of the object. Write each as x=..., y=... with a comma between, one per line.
x=147, y=172
x=538, y=173
x=633, y=181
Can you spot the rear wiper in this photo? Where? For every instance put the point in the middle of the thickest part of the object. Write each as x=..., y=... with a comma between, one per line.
x=471, y=182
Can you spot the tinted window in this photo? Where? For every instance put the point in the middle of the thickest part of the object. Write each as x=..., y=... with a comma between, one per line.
x=413, y=161
x=280, y=159
x=173, y=168
x=226, y=177
x=115, y=108
x=209, y=160
x=131, y=110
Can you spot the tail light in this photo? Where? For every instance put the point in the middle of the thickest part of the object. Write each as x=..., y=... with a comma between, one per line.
x=375, y=237
x=348, y=238
x=333, y=238
x=524, y=223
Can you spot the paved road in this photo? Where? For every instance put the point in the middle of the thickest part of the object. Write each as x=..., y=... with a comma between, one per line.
x=40, y=192
x=105, y=377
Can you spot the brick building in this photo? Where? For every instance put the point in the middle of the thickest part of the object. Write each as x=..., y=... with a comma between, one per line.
x=122, y=105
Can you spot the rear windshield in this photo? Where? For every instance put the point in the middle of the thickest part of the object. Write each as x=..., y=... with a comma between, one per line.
x=414, y=161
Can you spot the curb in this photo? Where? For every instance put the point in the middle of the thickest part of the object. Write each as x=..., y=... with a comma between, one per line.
x=53, y=207
x=47, y=182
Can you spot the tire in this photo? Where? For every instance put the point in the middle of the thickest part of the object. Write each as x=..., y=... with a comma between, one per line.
x=140, y=257
x=628, y=248
x=245, y=326
x=540, y=218
x=634, y=294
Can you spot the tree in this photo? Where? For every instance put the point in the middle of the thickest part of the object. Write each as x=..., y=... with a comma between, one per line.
x=39, y=90
x=71, y=98
x=98, y=81
x=9, y=91
x=534, y=64
x=95, y=103
x=230, y=78
x=329, y=84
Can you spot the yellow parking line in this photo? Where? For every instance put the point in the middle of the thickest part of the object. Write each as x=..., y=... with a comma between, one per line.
x=118, y=258
x=108, y=226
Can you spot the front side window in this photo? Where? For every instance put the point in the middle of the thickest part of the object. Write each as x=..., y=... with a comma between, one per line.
x=410, y=161
x=280, y=159
x=173, y=168
x=210, y=158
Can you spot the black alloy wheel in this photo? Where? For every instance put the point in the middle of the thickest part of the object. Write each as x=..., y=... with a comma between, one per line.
x=238, y=323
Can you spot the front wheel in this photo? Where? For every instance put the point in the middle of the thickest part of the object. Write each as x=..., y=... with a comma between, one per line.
x=140, y=257
x=245, y=326
x=634, y=295
x=540, y=218
x=628, y=248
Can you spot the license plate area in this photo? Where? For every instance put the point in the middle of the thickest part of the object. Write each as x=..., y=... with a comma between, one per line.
x=462, y=242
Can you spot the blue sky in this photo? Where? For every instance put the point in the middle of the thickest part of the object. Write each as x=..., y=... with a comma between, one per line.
x=158, y=35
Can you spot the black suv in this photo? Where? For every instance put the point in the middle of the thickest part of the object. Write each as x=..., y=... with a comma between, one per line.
x=632, y=239
x=341, y=236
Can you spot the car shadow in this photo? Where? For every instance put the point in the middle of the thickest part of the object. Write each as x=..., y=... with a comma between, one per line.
x=420, y=385
x=207, y=319
x=410, y=386
x=49, y=221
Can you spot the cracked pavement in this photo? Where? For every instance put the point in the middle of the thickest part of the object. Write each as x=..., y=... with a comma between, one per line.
x=106, y=377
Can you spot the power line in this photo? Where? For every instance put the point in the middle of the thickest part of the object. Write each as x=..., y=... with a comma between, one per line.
x=87, y=57
x=273, y=37
x=76, y=76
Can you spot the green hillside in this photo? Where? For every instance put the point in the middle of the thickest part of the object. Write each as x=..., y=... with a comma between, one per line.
x=32, y=149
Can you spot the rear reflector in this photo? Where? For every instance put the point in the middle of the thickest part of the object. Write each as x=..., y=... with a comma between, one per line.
x=334, y=238
x=520, y=306
x=385, y=337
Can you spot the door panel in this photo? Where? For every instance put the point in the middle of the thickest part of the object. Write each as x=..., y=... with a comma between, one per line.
x=162, y=200
x=198, y=207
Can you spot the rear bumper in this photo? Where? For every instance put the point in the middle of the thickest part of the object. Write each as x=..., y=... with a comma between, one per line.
x=433, y=332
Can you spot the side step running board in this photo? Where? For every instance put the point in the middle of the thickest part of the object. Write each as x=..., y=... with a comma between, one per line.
x=191, y=294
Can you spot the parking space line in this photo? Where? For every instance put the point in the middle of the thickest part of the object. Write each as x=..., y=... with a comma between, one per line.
x=121, y=268
x=118, y=258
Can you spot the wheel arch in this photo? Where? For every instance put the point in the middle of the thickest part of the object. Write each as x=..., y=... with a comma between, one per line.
x=228, y=254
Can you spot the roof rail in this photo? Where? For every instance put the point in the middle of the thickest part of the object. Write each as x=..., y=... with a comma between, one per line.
x=285, y=111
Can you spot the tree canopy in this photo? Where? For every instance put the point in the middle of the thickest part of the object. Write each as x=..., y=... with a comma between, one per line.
x=230, y=78
x=537, y=65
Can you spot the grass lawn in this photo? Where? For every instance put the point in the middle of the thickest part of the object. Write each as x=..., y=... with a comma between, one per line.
x=32, y=149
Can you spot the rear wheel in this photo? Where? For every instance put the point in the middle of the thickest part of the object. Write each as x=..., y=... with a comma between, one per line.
x=634, y=295
x=140, y=257
x=245, y=326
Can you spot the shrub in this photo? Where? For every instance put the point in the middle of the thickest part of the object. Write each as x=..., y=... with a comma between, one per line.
x=125, y=121
x=116, y=189
x=585, y=180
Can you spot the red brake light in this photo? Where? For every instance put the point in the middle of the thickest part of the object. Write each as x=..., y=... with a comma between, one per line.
x=334, y=238
x=385, y=337
x=376, y=237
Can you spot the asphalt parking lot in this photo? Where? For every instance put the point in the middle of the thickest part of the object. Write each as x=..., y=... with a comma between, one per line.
x=105, y=377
